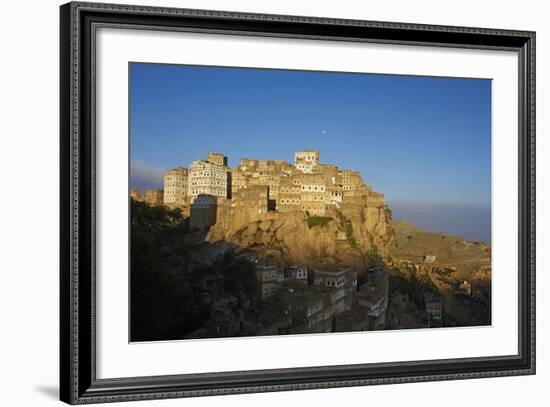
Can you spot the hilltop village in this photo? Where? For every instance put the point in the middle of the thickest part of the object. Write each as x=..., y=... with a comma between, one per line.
x=315, y=238
x=265, y=202
x=267, y=185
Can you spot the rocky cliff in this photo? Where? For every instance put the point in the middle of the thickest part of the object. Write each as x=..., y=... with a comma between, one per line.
x=342, y=237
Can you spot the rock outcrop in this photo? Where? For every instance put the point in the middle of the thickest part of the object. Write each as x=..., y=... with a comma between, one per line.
x=342, y=237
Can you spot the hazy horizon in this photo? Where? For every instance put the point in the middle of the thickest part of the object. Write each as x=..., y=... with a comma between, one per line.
x=425, y=143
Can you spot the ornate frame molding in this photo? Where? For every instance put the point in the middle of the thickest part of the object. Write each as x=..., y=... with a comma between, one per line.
x=79, y=384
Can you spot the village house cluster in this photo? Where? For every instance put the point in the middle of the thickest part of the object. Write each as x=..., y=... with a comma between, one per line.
x=267, y=185
x=297, y=299
x=305, y=300
x=444, y=278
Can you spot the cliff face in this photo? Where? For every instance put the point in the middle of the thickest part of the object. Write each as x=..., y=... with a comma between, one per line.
x=341, y=237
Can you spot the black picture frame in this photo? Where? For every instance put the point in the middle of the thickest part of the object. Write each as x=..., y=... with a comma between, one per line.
x=78, y=382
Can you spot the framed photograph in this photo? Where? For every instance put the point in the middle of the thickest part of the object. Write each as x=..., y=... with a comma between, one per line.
x=255, y=203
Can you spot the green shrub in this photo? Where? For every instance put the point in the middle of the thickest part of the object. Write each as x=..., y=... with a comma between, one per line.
x=318, y=221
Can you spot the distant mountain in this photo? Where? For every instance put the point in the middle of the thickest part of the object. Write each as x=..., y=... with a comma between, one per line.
x=472, y=222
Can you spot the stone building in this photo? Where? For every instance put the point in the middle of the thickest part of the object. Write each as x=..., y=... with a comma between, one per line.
x=308, y=186
x=329, y=169
x=339, y=285
x=269, y=277
x=239, y=179
x=335, y=195
x=352, y=183
x=289, y=195
x=217, y=158
x=245, y=208
x=175, y=187
x=433, y=306
x=296, y=273
x=373, y=296
x=135, y=194
x=314, y=194
x=247, y=164
x=154, y=197
x=306, y=160
x=253, y=199
x=269, y=173
x=330, y=278
x=209, y=178
x=270, y=180
x=310, y=310
x=203, y=212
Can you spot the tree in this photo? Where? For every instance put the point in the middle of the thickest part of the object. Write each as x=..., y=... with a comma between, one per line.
x=373, y=257
x=163, y=304
x=239, y=274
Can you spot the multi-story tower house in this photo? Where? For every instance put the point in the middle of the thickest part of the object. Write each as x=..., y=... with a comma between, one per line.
x=339, y=284
x=352, y=183
x=306, y=160
x=314, y=194
x=333, y=182
x=203, y=212
x=289, y=195
x=238, y=179
x=209, y=177
x=175, y=187
x=269, y=277
x=373, y=295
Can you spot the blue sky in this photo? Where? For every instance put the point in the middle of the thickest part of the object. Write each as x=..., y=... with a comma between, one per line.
x=424, y=142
